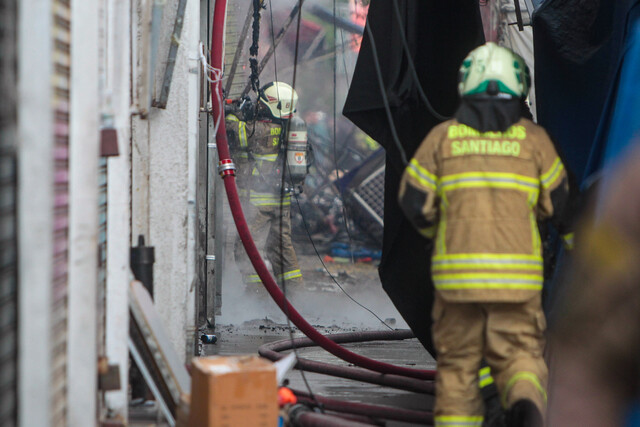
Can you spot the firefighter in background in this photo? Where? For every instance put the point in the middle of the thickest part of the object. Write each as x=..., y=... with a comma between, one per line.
x=262, y=159
x=478, y=183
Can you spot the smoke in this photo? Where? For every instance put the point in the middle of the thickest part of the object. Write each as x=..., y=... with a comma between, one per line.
x=240, y=305
x=318, y=71
x=328, y=307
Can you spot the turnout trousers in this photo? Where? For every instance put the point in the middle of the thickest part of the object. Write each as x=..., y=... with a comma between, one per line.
x=510, y=338
x=270, y=227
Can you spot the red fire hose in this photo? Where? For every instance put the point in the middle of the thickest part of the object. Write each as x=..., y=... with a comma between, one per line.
x=374, y=411
x=226, y=169
x=272, y=351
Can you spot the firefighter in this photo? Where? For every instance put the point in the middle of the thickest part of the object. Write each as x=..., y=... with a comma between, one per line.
x=257, y=143
x=477, y=185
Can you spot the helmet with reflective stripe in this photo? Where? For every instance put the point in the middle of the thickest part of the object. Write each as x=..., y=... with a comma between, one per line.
x=280, y=98
x=493, y=70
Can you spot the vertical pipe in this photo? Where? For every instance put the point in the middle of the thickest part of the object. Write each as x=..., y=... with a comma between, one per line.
x=142, y=259
x=191, y=44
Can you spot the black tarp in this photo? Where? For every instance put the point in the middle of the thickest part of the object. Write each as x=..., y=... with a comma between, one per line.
x=439, y=34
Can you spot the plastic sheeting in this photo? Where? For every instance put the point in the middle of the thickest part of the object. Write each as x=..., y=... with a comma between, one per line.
x=624, y=130
x=577, y=46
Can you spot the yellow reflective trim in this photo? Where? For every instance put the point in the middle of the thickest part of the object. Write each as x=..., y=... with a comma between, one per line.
x=484, y=382
x=293, y=274
x=535, y=234
x=487, y=261
x=523, y=376
x=485, y=256
x=242, y=128
x=489, y=276
x=495, y=175
x=423, y=176
x=487, y=281
x=252, y=278
x=533, y=199
x=256, y=203
x=552, y=174
x=270, y=198
x=482, y=266
x=488, y=285
x=484, y=377
x=266, y=157
x=490, y=180
x=568, y=240
x=458, y=421
x=441, y=241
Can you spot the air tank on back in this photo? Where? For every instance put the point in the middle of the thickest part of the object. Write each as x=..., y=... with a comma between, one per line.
x=297, y=150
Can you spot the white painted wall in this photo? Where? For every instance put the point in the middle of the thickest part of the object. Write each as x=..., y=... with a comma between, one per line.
x=163, y=191
x=117, y=101
x=82, y=353
x=35, y=211
x=192, y=41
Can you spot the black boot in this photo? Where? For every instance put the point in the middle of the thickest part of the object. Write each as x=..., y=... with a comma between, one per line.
x=524, y=413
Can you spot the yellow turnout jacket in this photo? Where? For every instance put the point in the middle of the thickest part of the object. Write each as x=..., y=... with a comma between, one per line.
x=480, y=196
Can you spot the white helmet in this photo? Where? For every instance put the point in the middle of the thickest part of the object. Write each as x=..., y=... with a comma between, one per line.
x=280, y=98
x=491, y=69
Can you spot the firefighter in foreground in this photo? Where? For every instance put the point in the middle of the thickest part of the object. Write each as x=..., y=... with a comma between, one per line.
x=595, y=336
x=478, y=184
x=262, y=159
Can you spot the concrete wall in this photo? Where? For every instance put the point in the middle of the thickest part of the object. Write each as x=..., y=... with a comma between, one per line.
x=35, y=210
x=163, y=191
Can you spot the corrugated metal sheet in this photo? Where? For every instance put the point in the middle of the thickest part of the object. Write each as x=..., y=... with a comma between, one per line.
x=61, y=82
x=8, y=241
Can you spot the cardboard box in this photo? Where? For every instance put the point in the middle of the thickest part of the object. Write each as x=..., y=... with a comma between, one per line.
x=233, y=391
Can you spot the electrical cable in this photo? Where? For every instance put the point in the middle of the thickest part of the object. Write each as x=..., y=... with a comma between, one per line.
x=295, y=66
x=306, y=227
x=335, y=132
x=385, y=100
x=283, y=134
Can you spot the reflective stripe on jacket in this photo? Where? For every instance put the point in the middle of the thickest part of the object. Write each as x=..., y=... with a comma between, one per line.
x=480, y=196
x=238, y=146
